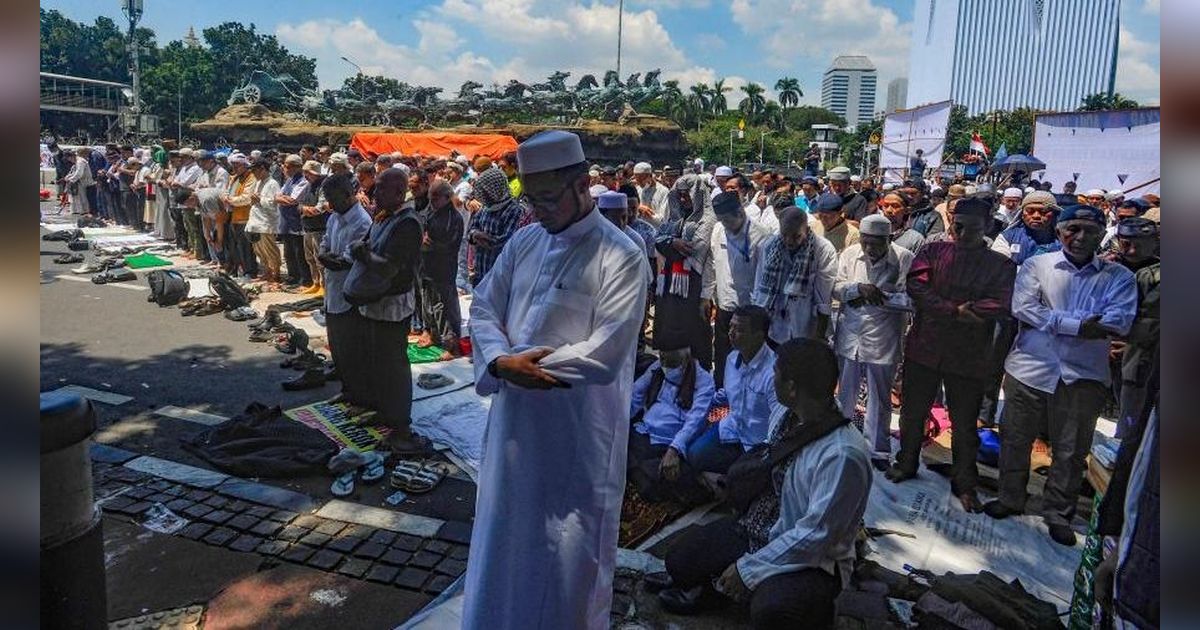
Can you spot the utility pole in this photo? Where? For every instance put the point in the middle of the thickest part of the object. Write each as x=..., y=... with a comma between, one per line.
x=179, y=113
x=361, y=79
x=761, y=136
x=620, y=17
x=133, y=11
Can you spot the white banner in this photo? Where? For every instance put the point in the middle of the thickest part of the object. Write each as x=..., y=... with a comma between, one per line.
x=1115, y=150
x=906, y=131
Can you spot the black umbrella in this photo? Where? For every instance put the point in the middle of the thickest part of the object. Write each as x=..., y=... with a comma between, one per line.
x=1019, y=162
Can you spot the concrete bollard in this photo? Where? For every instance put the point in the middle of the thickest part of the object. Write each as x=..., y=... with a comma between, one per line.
x=73, y=591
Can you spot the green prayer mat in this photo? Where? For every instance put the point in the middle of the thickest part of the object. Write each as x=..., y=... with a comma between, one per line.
x=424, y=355
x=144, y=260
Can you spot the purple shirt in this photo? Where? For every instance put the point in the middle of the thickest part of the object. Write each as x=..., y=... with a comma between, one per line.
x=942, y=277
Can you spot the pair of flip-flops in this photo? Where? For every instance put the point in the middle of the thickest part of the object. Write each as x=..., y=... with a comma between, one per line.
x=352, y=466
x=418, y=477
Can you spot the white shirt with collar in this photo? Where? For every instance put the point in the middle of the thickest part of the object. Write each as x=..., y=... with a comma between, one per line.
x=1051, y=298
x=871, y=334
x=656, y=196
x=664, y=421
x=821, y=501
x=750, y=388
x=763, y=216
x=794, y=317
x=735, y=263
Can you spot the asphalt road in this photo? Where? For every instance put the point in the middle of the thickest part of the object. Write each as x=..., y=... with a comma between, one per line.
x=109, y=338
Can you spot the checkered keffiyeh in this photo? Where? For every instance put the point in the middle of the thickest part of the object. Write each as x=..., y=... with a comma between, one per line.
x=498, y=221
x=795, y=274
x=491, y=186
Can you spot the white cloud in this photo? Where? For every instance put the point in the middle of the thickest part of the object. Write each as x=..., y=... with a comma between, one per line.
x=672, y=4
x=1137, y=68
x=798, y=33
x=710, y=42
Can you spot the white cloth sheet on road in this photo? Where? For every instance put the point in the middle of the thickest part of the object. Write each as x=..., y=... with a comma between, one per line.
x=457, y=420
x=949, y=539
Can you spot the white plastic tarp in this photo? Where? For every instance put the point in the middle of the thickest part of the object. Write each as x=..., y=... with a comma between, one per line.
x=945, y=538
x=1115, y=150
x=906, y=131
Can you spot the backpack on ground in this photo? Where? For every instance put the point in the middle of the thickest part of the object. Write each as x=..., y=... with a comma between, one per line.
x=167, y=287
x=231, y=294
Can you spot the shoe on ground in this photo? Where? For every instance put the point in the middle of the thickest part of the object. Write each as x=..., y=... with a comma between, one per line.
x=310, y=379
x=880, y=464
x=657, y=582
x=896, y=474
x=970, y=502
x=1062, y=534
x=689, y=602
x=998, y=510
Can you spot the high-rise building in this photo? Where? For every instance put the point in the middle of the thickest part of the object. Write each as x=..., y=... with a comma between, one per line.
x=1005, y=54
x=848, y=89
x=897, y=94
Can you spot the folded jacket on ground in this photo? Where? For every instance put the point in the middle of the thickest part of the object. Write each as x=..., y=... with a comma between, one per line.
x=262, y=442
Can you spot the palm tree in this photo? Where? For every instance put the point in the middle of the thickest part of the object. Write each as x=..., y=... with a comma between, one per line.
x=775, y=116
x=789, y=92
x=754, y=103
x=673, y=101
x=698, y=101
x=718, y=103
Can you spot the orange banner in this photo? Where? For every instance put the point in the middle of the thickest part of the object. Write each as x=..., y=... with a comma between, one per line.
x=438, y=144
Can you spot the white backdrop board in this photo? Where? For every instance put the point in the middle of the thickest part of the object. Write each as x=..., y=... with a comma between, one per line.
x=1103, y=148
x=907, y=130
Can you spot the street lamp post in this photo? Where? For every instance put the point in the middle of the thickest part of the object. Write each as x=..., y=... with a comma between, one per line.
x=620, y=19
x=361, y=82
x=761, y=136
x=740, y=134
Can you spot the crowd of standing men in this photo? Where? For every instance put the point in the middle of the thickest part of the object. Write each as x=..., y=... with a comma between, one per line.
x=789, y=300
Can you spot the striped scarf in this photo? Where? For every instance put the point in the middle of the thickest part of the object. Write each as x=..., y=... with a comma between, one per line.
x=797, y=282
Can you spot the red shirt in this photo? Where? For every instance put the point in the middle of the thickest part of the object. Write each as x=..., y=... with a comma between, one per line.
x=942, y=277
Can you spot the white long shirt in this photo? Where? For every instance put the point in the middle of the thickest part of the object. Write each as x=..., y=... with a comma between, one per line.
x=735, y=262
x=664, y=421
x=795, y=316
x=763, y=216
x=264, y=215
x=821, y=501
x=1051, y=298
x=552, y=476
x=656, y=196
x=750, y=389
x=871, y=334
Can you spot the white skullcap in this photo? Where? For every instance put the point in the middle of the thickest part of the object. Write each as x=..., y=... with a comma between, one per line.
x=185, y=152
x=403, y=168
x=612, y=200
x=597, y=190
x=1094, y=192
x=698, y=162
x=970, y=190
x=642, y=168
x=1114, y=195
x=875, y=225
x=549, y=151
x=256, y=154
x=1029, y=189
x=1013, y=193
x=855, y=178
x=723, y=171
x=239, y=158
x=462, y=159
x=339, y=159
x=890, y=186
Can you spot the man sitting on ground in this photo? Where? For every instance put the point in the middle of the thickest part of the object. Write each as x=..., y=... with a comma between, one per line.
x=790, y=567
x=670, y=403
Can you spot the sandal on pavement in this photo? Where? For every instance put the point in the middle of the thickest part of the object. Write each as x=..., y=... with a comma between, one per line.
x=373, y=470
x=418, y=478
x=343, y=486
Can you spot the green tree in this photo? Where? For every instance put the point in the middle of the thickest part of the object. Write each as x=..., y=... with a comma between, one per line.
x=789, y=92
x=698, y=103
x=754, y=103
x=673, y=102
x=374, y=88
x=717, y=101
x=805, y=116
x=1102, y=101
x=237, y=51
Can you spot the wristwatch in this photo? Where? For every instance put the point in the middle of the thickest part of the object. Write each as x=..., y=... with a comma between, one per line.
x=492, y=369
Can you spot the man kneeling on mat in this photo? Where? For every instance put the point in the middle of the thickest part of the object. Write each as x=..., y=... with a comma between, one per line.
x=790, y=551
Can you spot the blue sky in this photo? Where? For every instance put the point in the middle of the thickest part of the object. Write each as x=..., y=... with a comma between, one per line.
x=446, y=42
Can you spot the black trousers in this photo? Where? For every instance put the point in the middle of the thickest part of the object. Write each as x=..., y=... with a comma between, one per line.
x=677, y=317
x=388, y=374
x=642, y=470
x=1068, y=416
x=721, y=345
x=293, y=257
x=181, y=235
x=240, y=250
x=346, y=345
x=963, y=396
x=803, y=599
x=440, y=310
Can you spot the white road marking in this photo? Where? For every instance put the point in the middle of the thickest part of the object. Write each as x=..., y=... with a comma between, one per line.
x=191, y=415
x=108, y=398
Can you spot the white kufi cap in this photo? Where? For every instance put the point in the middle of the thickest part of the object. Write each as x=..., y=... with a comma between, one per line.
x=549, y=151
x=875, y=225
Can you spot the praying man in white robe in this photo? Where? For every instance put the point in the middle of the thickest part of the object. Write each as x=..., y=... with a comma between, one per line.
x=554, y=328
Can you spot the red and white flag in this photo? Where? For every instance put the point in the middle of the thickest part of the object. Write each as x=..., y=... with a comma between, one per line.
x=977, y=144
